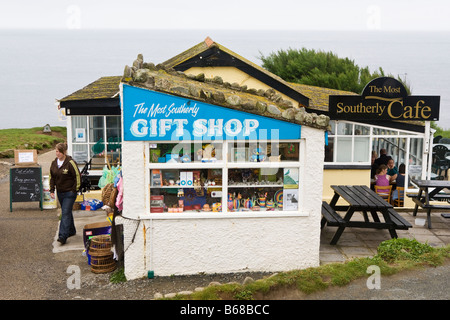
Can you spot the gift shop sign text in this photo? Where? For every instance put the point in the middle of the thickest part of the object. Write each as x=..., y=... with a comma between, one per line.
x=150, y=115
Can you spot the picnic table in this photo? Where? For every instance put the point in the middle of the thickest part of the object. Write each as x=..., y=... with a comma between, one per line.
x=365, y=200
x=430, y=190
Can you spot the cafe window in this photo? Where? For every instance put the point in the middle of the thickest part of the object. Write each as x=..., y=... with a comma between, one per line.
x=224, y=176
x=348, y=143
x=353, y=143
x=96, y=137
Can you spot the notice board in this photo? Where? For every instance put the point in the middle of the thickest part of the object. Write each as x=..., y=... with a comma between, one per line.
x=25, y=185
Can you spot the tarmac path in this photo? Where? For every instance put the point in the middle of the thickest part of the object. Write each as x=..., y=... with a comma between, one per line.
x=31, y=270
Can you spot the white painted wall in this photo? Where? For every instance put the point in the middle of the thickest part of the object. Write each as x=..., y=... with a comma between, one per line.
x=225, y=244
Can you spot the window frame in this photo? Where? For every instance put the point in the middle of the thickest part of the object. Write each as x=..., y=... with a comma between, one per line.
x=377, y=132
x=225, y=165
x=87, y=120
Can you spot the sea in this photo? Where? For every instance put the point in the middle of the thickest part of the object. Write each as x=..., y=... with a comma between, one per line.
x=38, y=67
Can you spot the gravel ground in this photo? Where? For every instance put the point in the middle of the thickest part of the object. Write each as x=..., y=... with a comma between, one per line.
x=29, y=270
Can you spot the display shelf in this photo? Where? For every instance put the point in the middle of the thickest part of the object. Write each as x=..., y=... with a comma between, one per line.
x=186, y=166
x=264, y=164
x=256, y=186
x=180, y=187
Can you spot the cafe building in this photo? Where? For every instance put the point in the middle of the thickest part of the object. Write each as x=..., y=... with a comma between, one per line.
x=225, y=165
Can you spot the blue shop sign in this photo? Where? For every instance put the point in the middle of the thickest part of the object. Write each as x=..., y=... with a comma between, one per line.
x=150, y=115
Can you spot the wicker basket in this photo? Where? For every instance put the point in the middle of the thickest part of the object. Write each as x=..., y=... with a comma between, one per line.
x=100, y=245
x=102, y=260
x=103, y=264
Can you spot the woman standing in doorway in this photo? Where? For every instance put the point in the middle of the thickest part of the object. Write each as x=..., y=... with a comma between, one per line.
x=65, y=178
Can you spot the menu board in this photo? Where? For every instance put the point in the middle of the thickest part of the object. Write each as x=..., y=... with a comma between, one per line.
x=25, y=185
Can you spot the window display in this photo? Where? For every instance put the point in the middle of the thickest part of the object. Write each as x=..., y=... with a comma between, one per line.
x=193, y=177
x=186, y=190
x=185, y=152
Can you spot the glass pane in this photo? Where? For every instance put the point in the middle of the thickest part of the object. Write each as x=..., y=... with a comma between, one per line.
x=96, y=129
x=79, y=129
x=361, y=153
x=333, y=127
x=344, y=150
x=179, y=190
x=113, y=136
x=415, y=160
x=80, y=153
x=329, y=150
x=263, y=189
x=186, y=152
x=263, y=151
x=361, y=130
x=344, y=128
x=384, y=131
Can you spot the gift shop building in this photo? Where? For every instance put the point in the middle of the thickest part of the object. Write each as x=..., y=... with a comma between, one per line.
x=217, y=179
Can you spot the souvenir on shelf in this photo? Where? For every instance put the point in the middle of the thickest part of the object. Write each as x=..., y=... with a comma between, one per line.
x=155, y=154
x=156, y=204
x=290, y=179
x=290, y=200
x=186, y=158
x=258, y=155
x=156, y=180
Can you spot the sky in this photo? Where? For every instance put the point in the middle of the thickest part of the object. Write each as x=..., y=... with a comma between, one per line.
x=431, y=15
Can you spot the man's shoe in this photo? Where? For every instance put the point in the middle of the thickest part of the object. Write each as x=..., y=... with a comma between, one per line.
x=72, y=234
x=61, y=240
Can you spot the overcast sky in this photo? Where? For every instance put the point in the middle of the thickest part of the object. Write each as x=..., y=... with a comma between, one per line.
x=230, y=14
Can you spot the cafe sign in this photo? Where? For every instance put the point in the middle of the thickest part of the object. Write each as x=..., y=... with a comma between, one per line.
x=384, y=99
x=150, y=115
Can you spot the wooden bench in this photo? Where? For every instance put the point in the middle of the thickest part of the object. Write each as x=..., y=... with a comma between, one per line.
x=399, y=222
x=330, y=216
x=436, y=197
x=430, y=206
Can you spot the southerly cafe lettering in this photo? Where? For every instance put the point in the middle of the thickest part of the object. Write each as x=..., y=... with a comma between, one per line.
x=160, y=122
x=417, y=111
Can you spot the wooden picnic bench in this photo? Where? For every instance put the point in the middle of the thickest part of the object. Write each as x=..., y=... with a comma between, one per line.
x=360, y=198
x=429, y=190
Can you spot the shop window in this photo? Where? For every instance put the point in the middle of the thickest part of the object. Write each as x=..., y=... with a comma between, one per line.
x=264, y=189
x=189, y=177
x=182, y=190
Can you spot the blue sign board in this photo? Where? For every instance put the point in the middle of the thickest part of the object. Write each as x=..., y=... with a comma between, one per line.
x=150, y=115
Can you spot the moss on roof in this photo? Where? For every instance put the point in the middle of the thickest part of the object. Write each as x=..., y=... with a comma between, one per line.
x=319, y=97
x=103, y=88
x=266, y=103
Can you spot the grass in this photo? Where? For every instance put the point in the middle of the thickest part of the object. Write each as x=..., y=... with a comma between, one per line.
x=118, y=276
x=393, y=256
x=31, y=138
